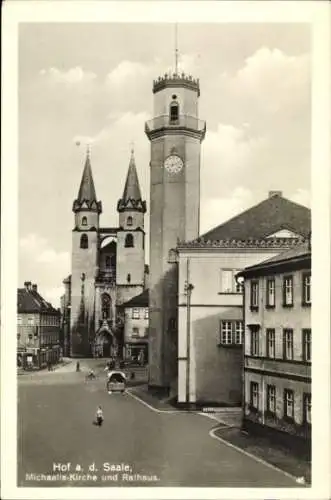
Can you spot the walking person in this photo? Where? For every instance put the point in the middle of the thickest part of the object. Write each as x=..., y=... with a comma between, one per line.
x=99, y=416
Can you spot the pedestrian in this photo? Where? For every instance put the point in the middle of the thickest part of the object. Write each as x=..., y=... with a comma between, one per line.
x=99, y=416
x=77, y=366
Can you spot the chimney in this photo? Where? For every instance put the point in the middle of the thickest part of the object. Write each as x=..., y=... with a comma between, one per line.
x=34, y=288
x=27, y=285
x=275, y=193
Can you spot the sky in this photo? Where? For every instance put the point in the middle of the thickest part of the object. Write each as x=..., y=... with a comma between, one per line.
x=81, y=82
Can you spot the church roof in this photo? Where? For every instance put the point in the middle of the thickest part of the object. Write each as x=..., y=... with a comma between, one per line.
x=264, y=219
x=131, y=198
x=86, y=195
x=141, y=300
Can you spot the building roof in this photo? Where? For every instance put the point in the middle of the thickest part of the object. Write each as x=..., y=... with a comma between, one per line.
x=30, y=301
x=291, y=257
x=131, y=198
x=86, y=195
x=141, y=300
x=264, y=219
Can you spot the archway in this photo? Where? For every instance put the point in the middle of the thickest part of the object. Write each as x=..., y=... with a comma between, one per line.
x=105, y=344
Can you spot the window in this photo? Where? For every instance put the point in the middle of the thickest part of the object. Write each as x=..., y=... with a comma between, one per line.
x=226, y=332
x=84, y=221
x=135, y=332
x=174, y=111
x=306, y=344
x=254, y=341
x=108, y=261
x=271, y=398
x=135, y=313
x=30, y=336
x=129, y=241
x=288, y=291
x=254, y=295
x=238, y=332
x=106, y=306
x=270, y=342
x=229, y=283
x=270, y=293
x=19, y=320
x=146, y=313
x=30, y=321
x=231, y=332
x=84, y=241
x=288, y=344
x=307, y=408
x=254, y=396
x=129, y=221
x=288, y=403
x=306, y=289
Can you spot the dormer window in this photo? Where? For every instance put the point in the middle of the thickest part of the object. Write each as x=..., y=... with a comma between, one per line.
x=129, y=241
x=84, y=221
x=174, y=111
x=84, y=241
x=129, y=221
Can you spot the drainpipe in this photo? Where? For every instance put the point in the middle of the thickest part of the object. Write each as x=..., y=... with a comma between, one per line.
x=188, y=287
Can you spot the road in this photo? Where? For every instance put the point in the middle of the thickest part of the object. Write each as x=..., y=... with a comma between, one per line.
x=55, y=427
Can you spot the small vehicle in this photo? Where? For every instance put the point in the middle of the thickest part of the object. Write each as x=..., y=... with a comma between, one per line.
x=90, y=376
x=116, y=381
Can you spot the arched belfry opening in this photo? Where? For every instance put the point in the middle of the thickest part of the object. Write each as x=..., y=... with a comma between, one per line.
x=174, y=112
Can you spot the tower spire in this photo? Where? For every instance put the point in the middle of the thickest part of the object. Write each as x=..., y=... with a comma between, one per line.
x=131, y=194
x=86, y=193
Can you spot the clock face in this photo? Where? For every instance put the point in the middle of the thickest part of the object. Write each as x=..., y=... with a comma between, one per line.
x=173, y=164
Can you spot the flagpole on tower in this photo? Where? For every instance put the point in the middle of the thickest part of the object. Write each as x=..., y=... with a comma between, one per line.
x=176, y=48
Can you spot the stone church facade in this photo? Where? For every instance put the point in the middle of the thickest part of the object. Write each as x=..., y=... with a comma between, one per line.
x=108, y=268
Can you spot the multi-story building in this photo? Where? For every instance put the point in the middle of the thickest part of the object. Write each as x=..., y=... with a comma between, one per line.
x=136, y=320
x=277, y=346
x=38, y=328
x=210, y=302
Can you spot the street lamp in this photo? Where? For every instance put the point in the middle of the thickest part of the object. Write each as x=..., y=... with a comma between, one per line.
x=188, y=287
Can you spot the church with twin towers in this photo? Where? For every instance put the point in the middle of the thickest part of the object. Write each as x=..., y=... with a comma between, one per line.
x=108, y=266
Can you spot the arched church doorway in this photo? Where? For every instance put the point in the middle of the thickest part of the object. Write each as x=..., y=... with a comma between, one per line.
x=105, y=344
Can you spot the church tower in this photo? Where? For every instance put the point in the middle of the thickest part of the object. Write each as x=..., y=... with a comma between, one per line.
x=130, y=265
x=84, y=263
x=175, y=134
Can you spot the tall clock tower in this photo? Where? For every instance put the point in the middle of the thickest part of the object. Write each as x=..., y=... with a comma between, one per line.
x=175, y=134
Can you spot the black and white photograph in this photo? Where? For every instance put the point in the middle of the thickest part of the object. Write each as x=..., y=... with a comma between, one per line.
x=168, y=201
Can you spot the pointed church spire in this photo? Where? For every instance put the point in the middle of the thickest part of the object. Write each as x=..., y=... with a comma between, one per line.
x=131, y=198
x=86, y=194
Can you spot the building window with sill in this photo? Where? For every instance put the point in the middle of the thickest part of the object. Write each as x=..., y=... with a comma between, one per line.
x=129, y=221
x=270, y=302
x=254, y=395
x=306, y=344
x=231, y=332
x=135, y=332
x=174, y=111
x=271, y=399
x=255, y=341
x=135, y=313
x=271, y=342
x=229, y=283
x=307, y=408
x=288, y=291
x=288, y=344
x=289, y=404
x=306, y=289
x=254, y=295
x=146, y=313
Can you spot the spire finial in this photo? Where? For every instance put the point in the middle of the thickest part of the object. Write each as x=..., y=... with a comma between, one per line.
x=132, y=147
x=88, y=150
x=176, y=49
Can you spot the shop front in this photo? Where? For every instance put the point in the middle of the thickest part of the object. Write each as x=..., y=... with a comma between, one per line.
x=136, y=353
